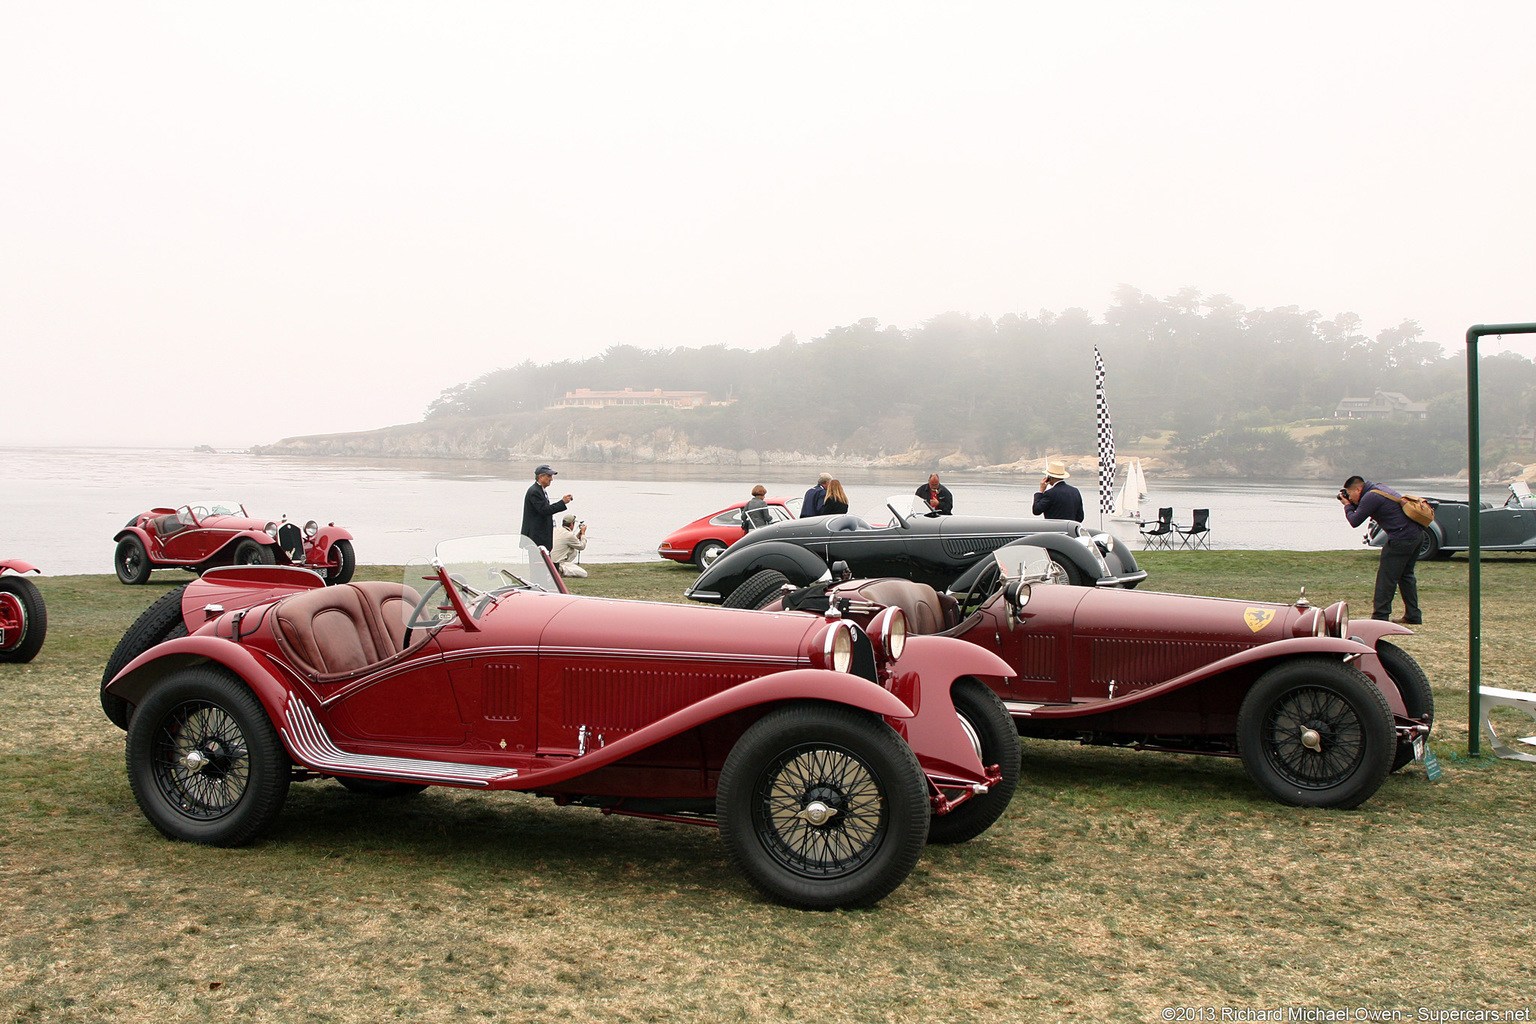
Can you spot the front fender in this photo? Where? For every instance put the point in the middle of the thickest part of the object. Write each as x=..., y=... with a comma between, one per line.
x=321, y=542
x=1067, y=545
x=1368, y=631
x=792, y=684
x=922, y=677
x=17, y=567
x=732, y=569
x=263, y=677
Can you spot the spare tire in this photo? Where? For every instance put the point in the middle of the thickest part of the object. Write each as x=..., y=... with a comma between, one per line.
x=158, y=623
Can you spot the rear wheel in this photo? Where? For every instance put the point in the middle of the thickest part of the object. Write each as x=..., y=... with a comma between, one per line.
x=1413, y=685
x=250, y=552
x=1429, y=545
x=156, y=624
x=131, y=561
x=706, y=551
x=759, y=589
x=24, y=618
x=204, y=762
x=341, y=563
x=991, y=731
x=823, y=806
x=1314, y=732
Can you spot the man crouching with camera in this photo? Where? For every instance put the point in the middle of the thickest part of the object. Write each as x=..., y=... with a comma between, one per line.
x=570, y=539
x=1394, y=573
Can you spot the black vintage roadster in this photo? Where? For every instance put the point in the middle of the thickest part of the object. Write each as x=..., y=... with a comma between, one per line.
x=1507, y=527
x=914, y=545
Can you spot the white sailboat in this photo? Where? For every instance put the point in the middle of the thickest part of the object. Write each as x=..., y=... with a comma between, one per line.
x=1128, y=500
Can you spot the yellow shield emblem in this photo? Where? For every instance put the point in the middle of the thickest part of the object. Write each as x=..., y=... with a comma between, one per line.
x=1258, y=618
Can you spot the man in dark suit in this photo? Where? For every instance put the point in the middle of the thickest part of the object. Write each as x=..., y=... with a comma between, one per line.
x=1056, y=498
x=937, y=497
x=815, y=497
x=538, y=511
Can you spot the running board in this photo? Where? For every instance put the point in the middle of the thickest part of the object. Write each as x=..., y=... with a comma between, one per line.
x=308, y=739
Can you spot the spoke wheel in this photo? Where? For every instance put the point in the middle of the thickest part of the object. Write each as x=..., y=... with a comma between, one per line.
x=204, y=762
x=823, y=806
x=1065, y=571
x=1316, y=733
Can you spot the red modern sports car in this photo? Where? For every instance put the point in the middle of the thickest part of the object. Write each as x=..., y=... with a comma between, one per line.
x=1319, y=707
x=705, y=539
x=23, y=616
x=206, y=534
x=826, y=754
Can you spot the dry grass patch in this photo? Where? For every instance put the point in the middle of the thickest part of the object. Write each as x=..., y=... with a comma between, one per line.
x=1116, y=884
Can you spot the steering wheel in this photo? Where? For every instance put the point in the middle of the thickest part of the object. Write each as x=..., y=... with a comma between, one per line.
x=416, y=621
x=980, y=587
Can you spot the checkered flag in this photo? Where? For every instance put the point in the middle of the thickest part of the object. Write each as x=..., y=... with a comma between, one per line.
x=1106, y=439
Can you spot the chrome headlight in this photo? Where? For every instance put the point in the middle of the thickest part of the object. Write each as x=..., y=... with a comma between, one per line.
x=311, y=528
x=837, y=648
x=889, y=631
x=1309, y=623
x=1337, y=618
x=271, y=530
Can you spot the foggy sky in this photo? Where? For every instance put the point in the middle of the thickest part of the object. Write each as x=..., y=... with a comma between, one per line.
x=226, y=223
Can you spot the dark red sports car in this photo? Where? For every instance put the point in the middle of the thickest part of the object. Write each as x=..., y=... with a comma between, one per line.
x=826, y=754
x=23, y=615
x=206, y=534
x=1320, y=707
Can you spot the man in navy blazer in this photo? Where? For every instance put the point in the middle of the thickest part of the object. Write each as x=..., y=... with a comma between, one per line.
x=538, y=511
x=1056, y=498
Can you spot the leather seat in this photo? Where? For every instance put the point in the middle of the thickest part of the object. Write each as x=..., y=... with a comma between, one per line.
x=924, y=607
x=335, y=632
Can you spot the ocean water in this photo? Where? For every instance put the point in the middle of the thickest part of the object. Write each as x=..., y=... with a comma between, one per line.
x=60, y=507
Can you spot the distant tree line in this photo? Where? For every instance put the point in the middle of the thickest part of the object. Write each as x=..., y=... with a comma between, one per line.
x=1215, y=378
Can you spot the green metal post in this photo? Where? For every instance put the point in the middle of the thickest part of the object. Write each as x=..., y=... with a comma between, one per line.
x=1475, y=531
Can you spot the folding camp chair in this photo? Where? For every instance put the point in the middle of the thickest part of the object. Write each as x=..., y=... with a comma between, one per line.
x=1199, y=533
x=1161, y=533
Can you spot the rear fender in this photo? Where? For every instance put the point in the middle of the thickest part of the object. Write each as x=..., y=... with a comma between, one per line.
x=263, y=677
x=14, y=566
x=922, y=678
x=732, y=569
x=233, y=587
x=776, y=688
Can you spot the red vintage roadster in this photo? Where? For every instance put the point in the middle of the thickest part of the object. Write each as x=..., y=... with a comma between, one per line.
x=206, y=534
x=23, y=615
x=826, y=753
x=1319, y=706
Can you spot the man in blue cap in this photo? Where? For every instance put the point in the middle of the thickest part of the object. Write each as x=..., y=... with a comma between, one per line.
x=538, y=511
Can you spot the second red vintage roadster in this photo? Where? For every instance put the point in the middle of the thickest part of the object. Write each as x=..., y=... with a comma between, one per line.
x=1319, y=707
x=827, y=754
x=206, y=534
x=23, y=615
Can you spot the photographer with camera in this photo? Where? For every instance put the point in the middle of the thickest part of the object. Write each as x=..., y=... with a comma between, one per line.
x=570, y=539
x=1394, y=572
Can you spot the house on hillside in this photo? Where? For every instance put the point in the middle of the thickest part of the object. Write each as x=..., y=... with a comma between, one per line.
x=586, y=398
x=1382, y=405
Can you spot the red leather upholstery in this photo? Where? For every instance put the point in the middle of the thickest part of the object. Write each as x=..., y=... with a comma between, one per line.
x=924, y=607
x=332, y=632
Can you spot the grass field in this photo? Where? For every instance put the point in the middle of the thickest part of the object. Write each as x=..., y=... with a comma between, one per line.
x=1117, y=883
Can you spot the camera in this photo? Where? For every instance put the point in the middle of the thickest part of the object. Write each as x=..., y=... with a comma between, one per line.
x=1344, y=494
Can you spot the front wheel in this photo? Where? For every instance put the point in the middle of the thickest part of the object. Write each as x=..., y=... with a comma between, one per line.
x=1064, y=570
x=1413, y=687
x=250, y=552
x=204, y=762
x=131, y=561
x=823, y=806
x=341, y=563
x=992, y=733
x=757, y=591
x=1314, y=732
x=23, y=619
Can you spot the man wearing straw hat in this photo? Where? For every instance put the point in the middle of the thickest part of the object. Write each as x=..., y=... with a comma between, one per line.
x=1056, y=498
